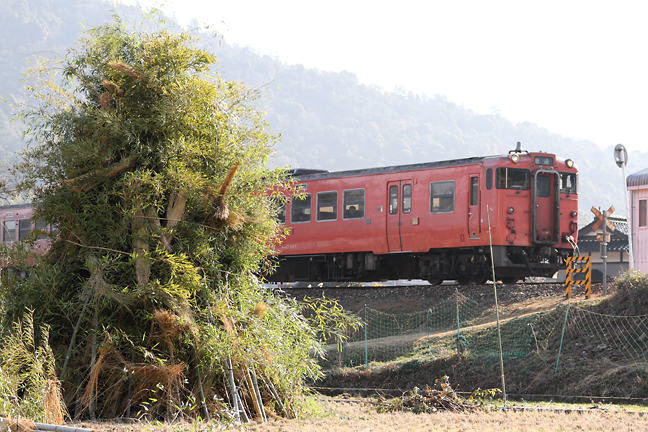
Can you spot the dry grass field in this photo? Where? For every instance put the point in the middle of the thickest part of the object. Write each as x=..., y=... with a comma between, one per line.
x=328, y=414
x=341, y=416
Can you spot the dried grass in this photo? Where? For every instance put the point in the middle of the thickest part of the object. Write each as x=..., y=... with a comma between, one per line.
x=222, y=212
x=112, y=87
x=18, y=424
x=260, y=309
x=171, y=325
x=175, y=214
x=124, y=68
x=341, y=415
x=104, y=100
x=166, y=380
x=93, y=380
x=54, y=409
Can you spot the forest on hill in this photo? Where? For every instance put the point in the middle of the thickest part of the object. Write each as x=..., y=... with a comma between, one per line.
x=327, y=120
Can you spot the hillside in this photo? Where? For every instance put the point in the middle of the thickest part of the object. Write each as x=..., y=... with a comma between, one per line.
x=327, y=120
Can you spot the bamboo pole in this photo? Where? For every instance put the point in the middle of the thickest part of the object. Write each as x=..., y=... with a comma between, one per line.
x=201, y=393
x=73, y=339
x=93, y=359
x=5, y=422
x=237, y=405
x=275, y=395
x=253, y=394
x=258, y=393
x=130, y=389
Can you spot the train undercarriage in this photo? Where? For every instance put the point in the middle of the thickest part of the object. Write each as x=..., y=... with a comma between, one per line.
x=465, y=265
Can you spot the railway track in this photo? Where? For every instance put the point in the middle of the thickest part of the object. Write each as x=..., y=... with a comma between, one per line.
x=411, y=297
x=396, y=284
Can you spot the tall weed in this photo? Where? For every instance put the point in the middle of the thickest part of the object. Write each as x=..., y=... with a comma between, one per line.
x=28, y=386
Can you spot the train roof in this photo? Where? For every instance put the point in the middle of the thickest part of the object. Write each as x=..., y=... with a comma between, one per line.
x=389, y=169
x=24, y=205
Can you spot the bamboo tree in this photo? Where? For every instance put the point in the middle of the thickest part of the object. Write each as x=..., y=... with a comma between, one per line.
x=154, y=170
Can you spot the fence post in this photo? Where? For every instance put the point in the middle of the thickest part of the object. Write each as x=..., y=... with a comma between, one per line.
x=458, y=324
x=568, y=277
x=562, y=337
x=365, y=332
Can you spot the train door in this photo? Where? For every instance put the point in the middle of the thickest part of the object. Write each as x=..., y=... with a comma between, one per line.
x=546, y=207
x=399, y=208
x=474, y=212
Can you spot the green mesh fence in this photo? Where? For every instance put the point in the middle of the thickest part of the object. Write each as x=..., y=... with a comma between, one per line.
x=384, y=337
x=462, y=325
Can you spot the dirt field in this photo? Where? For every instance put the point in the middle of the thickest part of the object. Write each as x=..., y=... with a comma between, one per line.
x=342, y=415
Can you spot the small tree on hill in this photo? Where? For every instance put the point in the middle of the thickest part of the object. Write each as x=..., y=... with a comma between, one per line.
x=153, y=173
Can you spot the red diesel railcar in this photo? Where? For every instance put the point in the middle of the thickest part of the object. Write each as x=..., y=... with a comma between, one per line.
x=431, y=221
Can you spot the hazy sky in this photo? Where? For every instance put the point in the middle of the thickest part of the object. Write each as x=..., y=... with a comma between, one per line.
x=577, y=68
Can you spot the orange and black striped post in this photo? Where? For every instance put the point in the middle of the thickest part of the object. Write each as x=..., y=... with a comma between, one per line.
x=584, y=266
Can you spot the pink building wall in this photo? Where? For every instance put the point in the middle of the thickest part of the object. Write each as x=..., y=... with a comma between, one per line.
x=639, y=233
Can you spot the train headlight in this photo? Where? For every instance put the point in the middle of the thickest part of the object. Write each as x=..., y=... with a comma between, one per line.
x=574, y=213
x=515, y=158
x=510, y=210
x=569, y=163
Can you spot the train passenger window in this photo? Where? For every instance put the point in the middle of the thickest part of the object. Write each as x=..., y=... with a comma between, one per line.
x=474, y=191
x=568, y=183
x=642, y=213
x=393, y=199
x=300, y=208
x=407, y=198
x=42, y=225
x=513, y=178
x=24, y=228
x=9, y=231
x=327, y=206
x=354, y=204
x=489, y=178
x=278, y=205
x=442, y=197
x=543, y=186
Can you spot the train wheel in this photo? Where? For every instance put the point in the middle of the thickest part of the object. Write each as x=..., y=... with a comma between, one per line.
x=480, y=280
x=435, y=281
x=464, y=280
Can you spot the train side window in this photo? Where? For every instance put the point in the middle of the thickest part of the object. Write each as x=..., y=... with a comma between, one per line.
x=568, y=183
x=442, y=197
x=393, y=199
x=642, y=213
x=327, y=206
x=354, y=204
x=300, y=208
x=24, y=228
x=278, y=205
x=474, y=191
x=543, y=186
x=513, y=178
x=489, y=178
x=9, y=231
x=41, y=226
x=407, y=198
